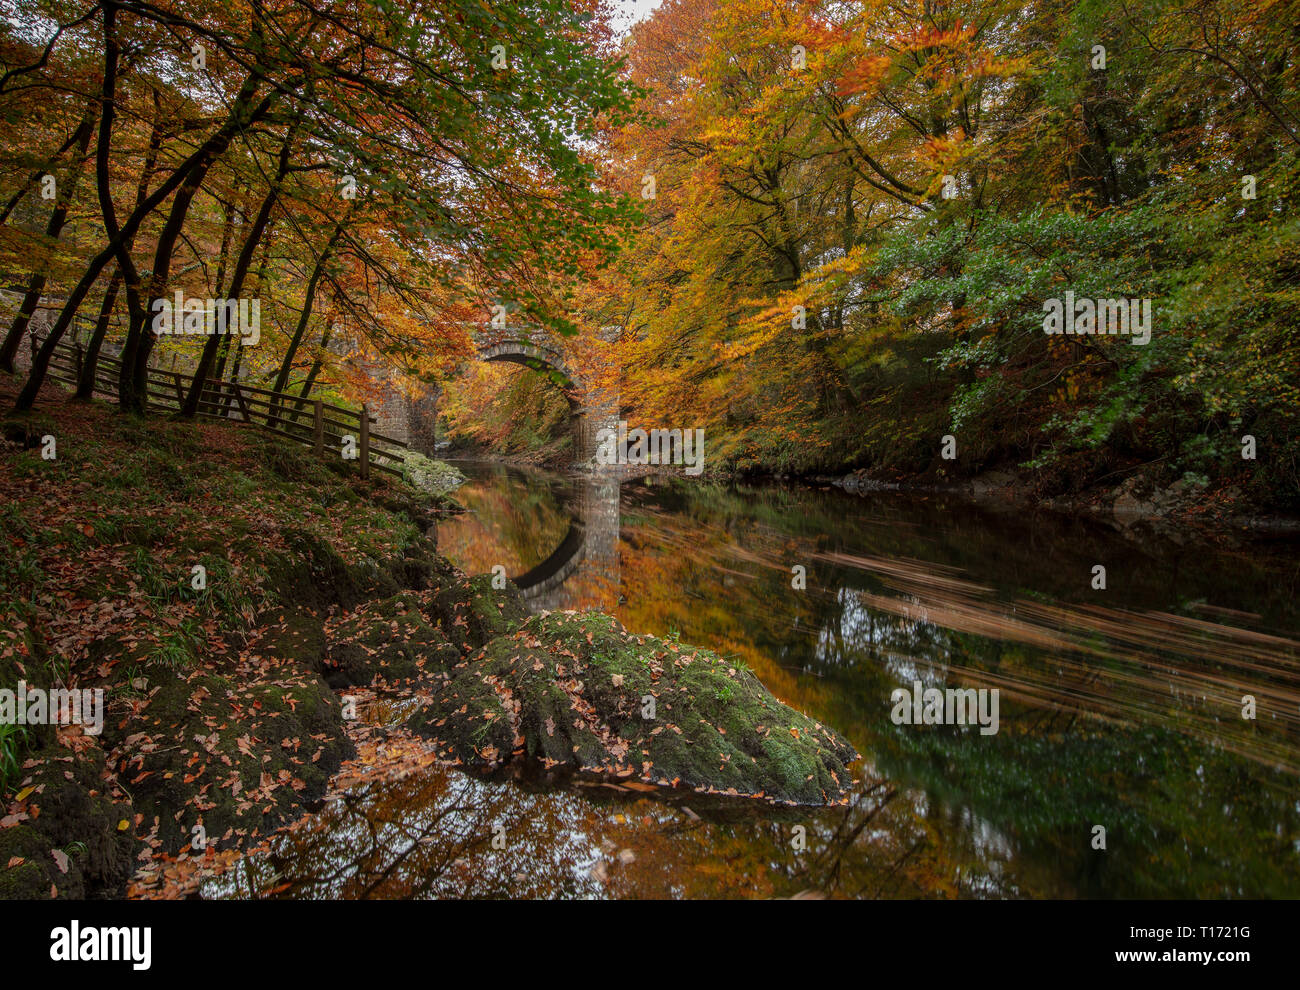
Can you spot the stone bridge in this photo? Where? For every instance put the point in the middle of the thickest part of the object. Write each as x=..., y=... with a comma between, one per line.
x=413, y=419
x=591, y=406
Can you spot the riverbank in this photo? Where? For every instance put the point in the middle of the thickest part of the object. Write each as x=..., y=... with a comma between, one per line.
x=226, y=592
x=1136, y=502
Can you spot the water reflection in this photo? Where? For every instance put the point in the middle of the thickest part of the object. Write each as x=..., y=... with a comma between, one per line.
x=1120, y=708
x=556, y=536
x=429, y=831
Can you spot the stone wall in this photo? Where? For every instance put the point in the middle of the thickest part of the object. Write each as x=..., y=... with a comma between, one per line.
x=410, y=419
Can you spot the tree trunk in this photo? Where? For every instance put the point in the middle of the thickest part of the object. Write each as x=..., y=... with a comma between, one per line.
x=133, y=384
x=286, y=366
x=242, y=264
x=90, y=364
x=316, y=364
x=199, y=160
x=36, y=284
x=89, y=368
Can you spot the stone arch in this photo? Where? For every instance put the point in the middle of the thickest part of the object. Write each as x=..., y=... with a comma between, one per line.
x=538, y=358
x=589, y=409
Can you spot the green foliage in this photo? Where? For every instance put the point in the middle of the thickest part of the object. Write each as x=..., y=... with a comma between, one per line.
x=925, y=310
x=12, y=740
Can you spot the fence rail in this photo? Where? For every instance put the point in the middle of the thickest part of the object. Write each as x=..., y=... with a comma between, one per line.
x=310, y=422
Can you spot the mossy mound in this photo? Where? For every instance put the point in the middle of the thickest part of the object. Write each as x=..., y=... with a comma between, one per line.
x=70, y=834
x=390, y=639
x=234, y=754
x=312, y=573
x=471, y=613
x=407, y=637
x=298, y=637
x=578, y=690
x=28, y=429
x=421, y=567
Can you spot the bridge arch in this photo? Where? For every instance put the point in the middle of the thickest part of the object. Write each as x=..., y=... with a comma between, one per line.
x=539, y=583
x=590, y=410
x=536, y=357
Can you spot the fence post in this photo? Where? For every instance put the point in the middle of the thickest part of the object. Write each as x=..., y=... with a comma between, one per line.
x=243, y=406
x=365, y=441
x=76, y=360
x=318, y=433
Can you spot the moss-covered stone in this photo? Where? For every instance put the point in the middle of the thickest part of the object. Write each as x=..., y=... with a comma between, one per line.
x=429, y=475
x=299, y=637
x=421, y=567
x=311, y=573
x=579, y=690
x=235, y=757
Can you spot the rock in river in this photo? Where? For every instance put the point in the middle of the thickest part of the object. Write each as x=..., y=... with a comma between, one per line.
x=578, y=690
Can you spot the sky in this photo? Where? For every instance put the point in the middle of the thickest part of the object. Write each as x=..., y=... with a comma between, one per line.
x=628, y=12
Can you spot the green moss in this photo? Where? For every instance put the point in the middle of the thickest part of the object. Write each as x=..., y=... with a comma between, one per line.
x=429, y=475
x=235, y=759
x=68, y=810
x=284, y=537
x=470, y=612
x=579, y=690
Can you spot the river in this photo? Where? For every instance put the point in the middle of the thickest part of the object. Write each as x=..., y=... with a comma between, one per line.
x=1122, y=765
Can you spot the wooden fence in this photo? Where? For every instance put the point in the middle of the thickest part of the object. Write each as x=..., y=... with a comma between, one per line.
x=309, y=422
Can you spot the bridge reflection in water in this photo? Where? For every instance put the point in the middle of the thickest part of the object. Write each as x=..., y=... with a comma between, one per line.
x=586, y=560
x=558, y=540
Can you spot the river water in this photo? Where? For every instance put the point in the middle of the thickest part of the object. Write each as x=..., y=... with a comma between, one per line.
x=1120, y=709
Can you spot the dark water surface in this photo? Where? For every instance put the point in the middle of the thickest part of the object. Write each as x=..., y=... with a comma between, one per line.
x=1119, y=708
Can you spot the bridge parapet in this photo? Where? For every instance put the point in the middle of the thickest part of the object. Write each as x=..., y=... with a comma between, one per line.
x=487, y=334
